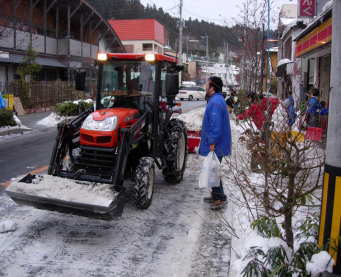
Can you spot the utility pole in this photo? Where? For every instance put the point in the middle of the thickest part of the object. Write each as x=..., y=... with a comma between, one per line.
x=262, y=61
x=330, y=220
x=181, y=33
x=207, y=54
x=268, y=63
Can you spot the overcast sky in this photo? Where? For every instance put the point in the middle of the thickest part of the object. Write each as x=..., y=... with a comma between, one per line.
x=220, y=11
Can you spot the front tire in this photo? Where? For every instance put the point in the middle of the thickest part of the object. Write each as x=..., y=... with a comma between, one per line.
x=176, y=152
x=144, y=183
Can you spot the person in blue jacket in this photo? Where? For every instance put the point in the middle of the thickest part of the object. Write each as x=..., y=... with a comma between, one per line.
x=216, y=134
x=313, y=111
x=289, y=105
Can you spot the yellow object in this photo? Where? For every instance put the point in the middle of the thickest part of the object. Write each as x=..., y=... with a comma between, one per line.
x=9, y=101
x=283, y=136
x=335, y=228
x=324, y=209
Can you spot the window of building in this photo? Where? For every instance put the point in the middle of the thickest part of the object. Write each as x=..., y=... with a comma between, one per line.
x=147, y=47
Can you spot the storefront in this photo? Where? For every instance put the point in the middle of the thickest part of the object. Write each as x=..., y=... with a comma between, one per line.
x=313, y=47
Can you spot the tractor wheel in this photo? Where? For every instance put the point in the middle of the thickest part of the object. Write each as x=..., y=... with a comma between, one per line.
x=144, y=183
x=176, y=152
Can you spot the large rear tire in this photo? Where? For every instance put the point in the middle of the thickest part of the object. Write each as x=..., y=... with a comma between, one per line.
x=144, y=183
x=176, y=152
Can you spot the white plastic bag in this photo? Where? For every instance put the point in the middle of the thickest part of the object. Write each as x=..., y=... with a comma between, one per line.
x=210, y=172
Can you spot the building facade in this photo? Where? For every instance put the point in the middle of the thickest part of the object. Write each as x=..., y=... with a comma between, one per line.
x=65, y=35
x=313, y=48
x=141, y=35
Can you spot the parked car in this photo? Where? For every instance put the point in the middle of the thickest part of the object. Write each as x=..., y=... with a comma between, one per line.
x=191, y=93
x=188, y=84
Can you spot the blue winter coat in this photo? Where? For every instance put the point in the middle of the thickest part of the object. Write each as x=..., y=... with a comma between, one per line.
x=291, y=111
x=216, y=127
x=313, y=106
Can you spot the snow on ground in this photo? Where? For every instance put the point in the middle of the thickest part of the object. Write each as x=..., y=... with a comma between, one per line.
x=320, y=263
x=89, y=101
x=192, y=119
x=19, y=125
x=52, y=187
x=51, y=121
x=178, y=236
x=7, y=226
x=237, y=213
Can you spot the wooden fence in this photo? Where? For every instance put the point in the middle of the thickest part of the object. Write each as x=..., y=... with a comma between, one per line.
x=43, y=94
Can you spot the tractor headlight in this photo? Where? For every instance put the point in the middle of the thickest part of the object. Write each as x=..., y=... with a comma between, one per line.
x=108, y=124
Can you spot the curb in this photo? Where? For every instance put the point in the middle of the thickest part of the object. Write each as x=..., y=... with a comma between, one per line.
x=18, y=130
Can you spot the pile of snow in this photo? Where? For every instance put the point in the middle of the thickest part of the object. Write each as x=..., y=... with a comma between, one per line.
x=52, y=187
x=193, y=119
x=18, y=124
x=17, y=120
x=51, y=121
x=319, y=263
x=89, y=101
x=7, y=226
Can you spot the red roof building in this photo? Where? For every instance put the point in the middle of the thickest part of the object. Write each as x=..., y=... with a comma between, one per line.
x=141, y=35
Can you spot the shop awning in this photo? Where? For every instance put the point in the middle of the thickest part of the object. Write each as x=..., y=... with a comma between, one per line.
x=316, y=35
x=14, y=58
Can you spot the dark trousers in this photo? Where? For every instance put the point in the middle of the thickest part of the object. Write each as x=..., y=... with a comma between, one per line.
x=218, y=192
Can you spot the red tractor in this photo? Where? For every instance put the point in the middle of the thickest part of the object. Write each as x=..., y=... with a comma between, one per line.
x=129, y=133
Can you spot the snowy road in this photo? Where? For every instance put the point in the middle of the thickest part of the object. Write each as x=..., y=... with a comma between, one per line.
x=177, y=236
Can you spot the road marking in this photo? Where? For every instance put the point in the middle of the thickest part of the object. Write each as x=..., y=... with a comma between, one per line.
x=36, y=171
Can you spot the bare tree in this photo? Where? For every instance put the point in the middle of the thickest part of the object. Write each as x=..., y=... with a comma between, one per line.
x=252, y=17
x=289, y=170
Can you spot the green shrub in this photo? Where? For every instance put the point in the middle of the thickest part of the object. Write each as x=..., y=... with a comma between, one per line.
x=275, y=261
x=72, y=109
x=6, y=118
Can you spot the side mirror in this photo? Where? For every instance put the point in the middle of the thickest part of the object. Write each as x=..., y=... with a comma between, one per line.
x=80, y=81
x=172, y=84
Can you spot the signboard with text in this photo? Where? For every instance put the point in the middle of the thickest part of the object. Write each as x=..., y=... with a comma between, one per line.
x=307, y=8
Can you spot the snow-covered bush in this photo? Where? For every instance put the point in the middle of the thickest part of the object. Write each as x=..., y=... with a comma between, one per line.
x=6, y=118
x=279, y=259
x=287, y=170
x=73, y=108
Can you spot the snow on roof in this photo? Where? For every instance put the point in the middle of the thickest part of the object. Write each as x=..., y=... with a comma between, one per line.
x=273, y=49
x=283, y=61
x=328, y=5
x=288, y=21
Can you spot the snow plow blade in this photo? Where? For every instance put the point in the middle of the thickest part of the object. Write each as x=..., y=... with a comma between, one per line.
x=67, y=196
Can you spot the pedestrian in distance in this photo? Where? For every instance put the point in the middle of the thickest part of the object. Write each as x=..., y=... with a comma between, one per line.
x=289, y=106
x=216, y=134
x=313, y=109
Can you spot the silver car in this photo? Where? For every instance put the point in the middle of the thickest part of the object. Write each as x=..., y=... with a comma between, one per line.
x=191, y=93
